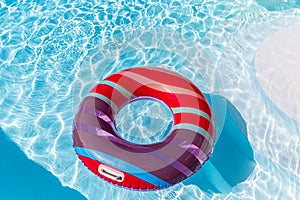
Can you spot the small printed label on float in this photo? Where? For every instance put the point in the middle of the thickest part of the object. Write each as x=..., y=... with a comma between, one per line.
x=111, y=173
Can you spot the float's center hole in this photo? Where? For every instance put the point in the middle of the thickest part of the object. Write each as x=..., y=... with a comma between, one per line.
x=144, y=121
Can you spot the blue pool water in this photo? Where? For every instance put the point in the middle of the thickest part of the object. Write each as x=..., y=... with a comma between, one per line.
x=53, y=52
x=23, y=179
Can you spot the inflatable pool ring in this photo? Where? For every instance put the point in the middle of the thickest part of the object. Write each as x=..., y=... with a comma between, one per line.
x=151, y=166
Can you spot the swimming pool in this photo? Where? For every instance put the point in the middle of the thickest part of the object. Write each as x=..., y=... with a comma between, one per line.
x=53, y=52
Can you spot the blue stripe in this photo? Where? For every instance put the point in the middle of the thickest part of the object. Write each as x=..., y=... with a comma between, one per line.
x=122, y=165
x=191, y=110
x=104, y=98
x=119, y=88
x=195, y=128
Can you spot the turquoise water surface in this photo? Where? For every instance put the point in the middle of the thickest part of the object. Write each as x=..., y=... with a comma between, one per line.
x=24, y=179
x=53, y=52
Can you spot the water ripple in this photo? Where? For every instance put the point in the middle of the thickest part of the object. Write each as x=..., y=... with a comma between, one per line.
x=52, y=53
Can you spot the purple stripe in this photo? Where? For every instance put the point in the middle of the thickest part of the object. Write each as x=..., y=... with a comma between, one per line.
x=107, y=135
x=92, y=120
x=98, y=113
x=191, y=148
x=99, y=132
x=99, y=105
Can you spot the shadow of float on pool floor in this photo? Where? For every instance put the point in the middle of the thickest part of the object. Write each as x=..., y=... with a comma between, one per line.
x=21, y=178
x=232, y=160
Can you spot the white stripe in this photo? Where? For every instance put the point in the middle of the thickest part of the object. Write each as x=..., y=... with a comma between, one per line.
x=170, y=89
x=121, y=89
x=191, y=110
x=195, y=128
